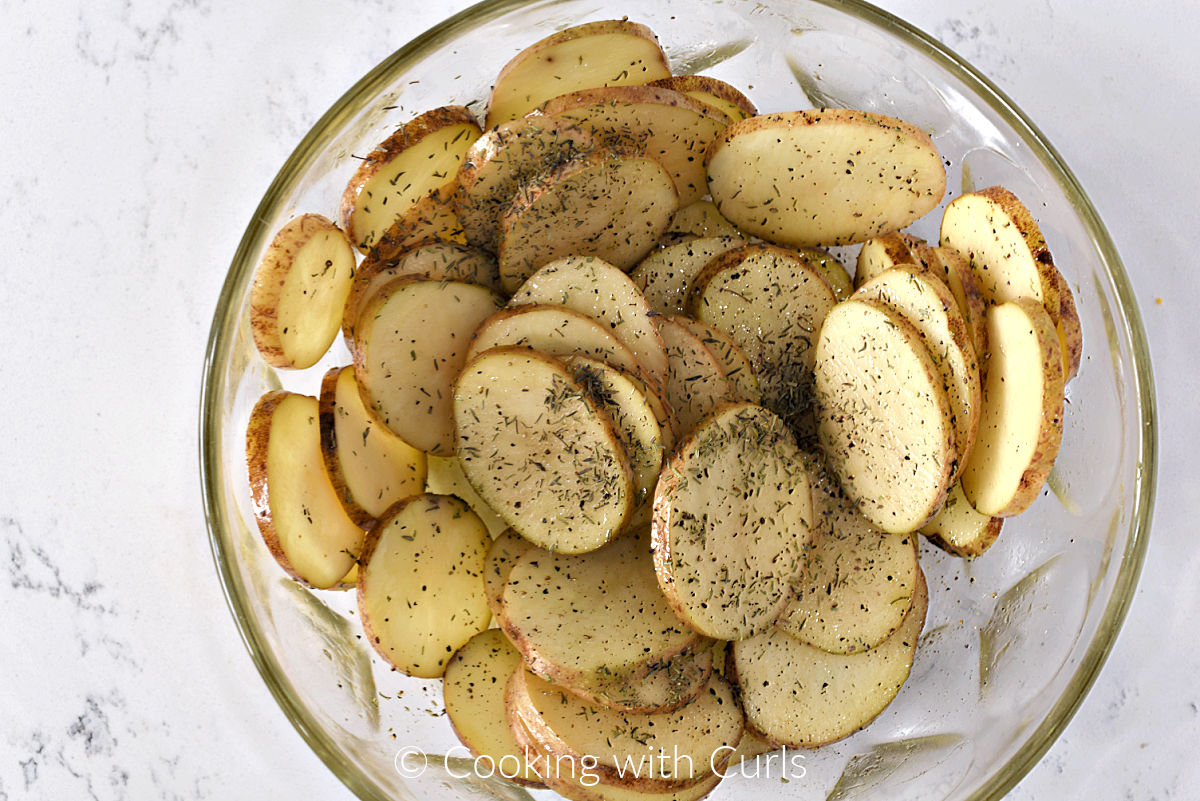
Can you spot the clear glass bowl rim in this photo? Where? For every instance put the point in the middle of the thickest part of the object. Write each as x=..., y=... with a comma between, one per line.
x=225, y=323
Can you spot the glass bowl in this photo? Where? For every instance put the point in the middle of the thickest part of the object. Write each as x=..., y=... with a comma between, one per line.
x=1014, y=639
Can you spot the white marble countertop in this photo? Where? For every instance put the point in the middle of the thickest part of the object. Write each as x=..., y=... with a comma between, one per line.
x=136, y=138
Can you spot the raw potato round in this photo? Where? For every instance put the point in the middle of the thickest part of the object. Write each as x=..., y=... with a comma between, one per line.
x=666, y=276
x=420, y=583
x=726, y=99
x=953, y=268
x=696, y=382
x=444, y=476
x=299, y=290
x=734, y=362
x=959, y=529
x=431, y=219
x=506, y=550
x=698, y=220
x=539, y=452
x=884, y=421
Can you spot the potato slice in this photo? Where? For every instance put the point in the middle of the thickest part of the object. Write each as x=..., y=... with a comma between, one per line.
x=604, y=53
x=1021, y=428
x=539, y=452
x=420, y=583
x=797, y=695
x=623, y=398
x=669, y=685
x=299, y=290
x=473, y=691
x=959, y=529
x=432, y=218
x=732, y=515
x=371, y=468
x=607, y=205
x=954, y=269
x=696, y=382
x=714, y=92
x=1069, y=327
x=824, y=176
x=439, y=261
x=445, y=477
x=592, y=619
x=664, y=125
x=884, y=422
x=296, y=506
x=625, y=744
x=596, y=288
x=881, y=253
x=665, y=276
x=409, y=345
x=831, y=270
x=698, y=220
x=734, y=362
x=923, y=300
x=505, y=551
x=420, y=158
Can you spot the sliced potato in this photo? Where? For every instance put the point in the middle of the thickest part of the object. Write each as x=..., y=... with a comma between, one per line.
x=734, y=362
x=539, y=452
x=502, y=161
x=824, y=176
x=299, y=290
x=432, y=218
x=421, y=157
x=596, y=288
x=607, y=205
x=953, y=268
x=297, y=509
x=713, y=92
x=831, y=270
x=410, y=343
x=696, y=382
x=420, y=583
x=884, y=422
x=959, y=529
x=698, y=220
x=370, y=467
x=881, y=253
x=445, y=477
x=473, y=691
x=663, y=124
x=1070, y=329
x=796, y=695
x=732, y=515
x=665, y=276
x=604, y=53
x=667, y=686
x=505, y=551
x=1021, y=428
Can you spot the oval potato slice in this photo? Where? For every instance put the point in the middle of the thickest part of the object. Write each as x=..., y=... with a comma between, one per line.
x=953, y=268
x=1070, y=329
x=714, y=92
x=831, y=270
x=505, y=551
x=699, y=219
x=881, y=253
x=666, y=275
x=444, y=476
x=824, y=176
x=696, y=382
x=959, y=529
x=432, y=218
x=734, y=362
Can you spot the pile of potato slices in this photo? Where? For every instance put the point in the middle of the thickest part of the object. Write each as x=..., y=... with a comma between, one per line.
x=624, y=455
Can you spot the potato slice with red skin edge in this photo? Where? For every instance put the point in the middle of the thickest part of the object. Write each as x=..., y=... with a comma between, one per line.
x=924, y=301
x=420, y=157
x=734, y=362
x=666, y=275
x=605, y=293
x=698, y=220
x=296, y=507
x=881, y=253
x=824, y=176
x=610, y=205
x=798, y=696
x=430, y=219
x=473, y=692
x=506, y=550
x=732, y=515
x=604, y=53
x=445, y=476
x=696, y=382
x=953, y=268
x=714, y=92
x=665, y=125
x=434, y=260
x=1070, y=329
x=409, y=345
x=592, y=619
x=831, y=270
x=959, y=529
x=539, y=452
x=420, y=583
x=299, y=289
x=1021, y=429
x=370, y=467
x=884, y=421
x=502, y=161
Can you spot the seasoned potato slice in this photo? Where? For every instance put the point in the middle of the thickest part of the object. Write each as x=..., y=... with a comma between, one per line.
x=420, y=583
x=539, y=452
x=732, y=515
x=606, y=205
x=1021, y=428
x=503, y=161
x=824, y=176
x=696, y=382
x=371, y=468
x=734, y=362
x=421, y=157
x=796, y=695
x=664, y=125
x=699, y=219
x=953, y=268
x=831, y=270
x=1070, y=329
x=297, y=509
x=669, y=685
x=604, y=53
x=665, y=276
x=410, y=343
x=505, y=551
x=959, y=529
x=596, y=288
x=299, y=290
x=881, y=253
x=445, y=477
x=473, y=691
x=432, y=218
x=591, y=619
x=884, y=422
x=714, y=92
